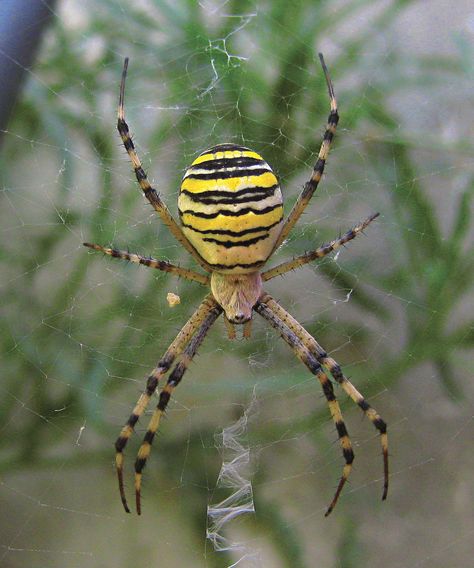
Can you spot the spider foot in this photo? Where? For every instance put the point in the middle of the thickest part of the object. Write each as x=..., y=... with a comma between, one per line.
x=345, y=474
x=119, y=469
x=384, y=441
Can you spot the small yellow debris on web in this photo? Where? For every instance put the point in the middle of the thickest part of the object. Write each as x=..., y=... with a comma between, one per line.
x=173, y=299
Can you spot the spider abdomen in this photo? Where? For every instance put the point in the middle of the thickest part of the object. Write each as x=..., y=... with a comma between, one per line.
x=230, y=206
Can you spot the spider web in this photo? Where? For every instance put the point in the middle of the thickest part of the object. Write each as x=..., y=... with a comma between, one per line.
x=81, y=332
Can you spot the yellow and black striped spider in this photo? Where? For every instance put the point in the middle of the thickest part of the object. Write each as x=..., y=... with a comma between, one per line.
x=231, y=212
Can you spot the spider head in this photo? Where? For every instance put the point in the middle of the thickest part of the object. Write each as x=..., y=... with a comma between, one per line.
x=237, y=294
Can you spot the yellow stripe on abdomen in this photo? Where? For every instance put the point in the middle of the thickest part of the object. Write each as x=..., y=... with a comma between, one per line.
x=265, y=180
x=226, y=154
x=246, y=221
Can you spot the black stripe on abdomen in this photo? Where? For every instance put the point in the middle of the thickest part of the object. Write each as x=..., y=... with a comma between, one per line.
x=230, y=244
x=230, y=213
x=223, y=163
x=253, y=194
x=227, y=173
x=230, y=233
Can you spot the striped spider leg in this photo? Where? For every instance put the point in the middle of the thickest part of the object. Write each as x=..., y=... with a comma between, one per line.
x=318, y=253
x=308, y=358
x=162, y=265
x=186, y=337
x=209, y=316
x=318, y=170
x=150, y=193
x=308, y=350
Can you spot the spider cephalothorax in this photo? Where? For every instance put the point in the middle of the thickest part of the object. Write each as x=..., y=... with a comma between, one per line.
x=237, y=294
x=231, y=213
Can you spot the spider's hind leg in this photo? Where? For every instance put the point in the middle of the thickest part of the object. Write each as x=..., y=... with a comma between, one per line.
x=308, y=359
x=162, y=367
x=335, y=370
x=212, y=313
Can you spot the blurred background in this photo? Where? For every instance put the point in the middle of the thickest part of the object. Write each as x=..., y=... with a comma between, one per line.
x=80, y=332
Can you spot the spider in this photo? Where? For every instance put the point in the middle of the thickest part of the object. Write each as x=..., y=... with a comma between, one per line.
x=231, y=212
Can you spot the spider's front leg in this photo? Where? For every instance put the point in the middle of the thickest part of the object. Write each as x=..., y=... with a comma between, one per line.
x=318, y=170
x=150, y=192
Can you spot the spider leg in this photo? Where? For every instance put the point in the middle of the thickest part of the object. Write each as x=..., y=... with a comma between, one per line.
x=308, y=359
x=320, y=252
x=150, y=193
x=162, y=367
x=174, y=379
x=162, y=265
x=311, y=185
x=335, y=370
